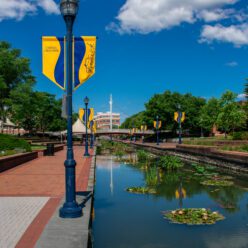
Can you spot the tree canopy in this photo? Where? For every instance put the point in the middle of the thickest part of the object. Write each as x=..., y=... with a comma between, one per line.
x=27, y=108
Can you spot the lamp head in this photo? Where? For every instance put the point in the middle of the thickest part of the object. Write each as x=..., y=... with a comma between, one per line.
x=86, y=100
x=69, y=7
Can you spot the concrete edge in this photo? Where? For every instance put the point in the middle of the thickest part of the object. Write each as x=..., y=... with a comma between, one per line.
x=68, y=233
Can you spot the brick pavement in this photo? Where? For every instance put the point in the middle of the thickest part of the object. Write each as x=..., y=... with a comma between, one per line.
x=38, y=185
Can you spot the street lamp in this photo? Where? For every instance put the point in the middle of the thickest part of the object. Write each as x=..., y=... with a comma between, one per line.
x=179, y=123
x=70, y=208
x=157, y=127
x=143, y=129
x=86, y=102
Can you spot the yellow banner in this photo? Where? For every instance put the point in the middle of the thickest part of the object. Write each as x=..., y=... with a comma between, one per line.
x=183, y=117
x=157, y=125
x=84, y=59
x=54, y=56
x=53, y=60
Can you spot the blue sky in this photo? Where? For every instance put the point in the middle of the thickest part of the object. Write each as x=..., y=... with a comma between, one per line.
x=144, y=47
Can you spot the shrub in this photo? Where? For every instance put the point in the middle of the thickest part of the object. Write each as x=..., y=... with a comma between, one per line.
x=240, y=136
x=8, y=142
x=170, y=163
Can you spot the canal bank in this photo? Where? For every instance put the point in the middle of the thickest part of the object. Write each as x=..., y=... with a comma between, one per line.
x=236, y=162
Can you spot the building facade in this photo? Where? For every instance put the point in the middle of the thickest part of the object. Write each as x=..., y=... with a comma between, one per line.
x=103, y=120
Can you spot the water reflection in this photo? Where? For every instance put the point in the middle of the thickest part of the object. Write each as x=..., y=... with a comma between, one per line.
x=126, y=220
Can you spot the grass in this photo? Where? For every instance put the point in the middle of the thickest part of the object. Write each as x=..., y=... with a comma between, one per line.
x=7, y=153
x=38, y=148
x=242, y=148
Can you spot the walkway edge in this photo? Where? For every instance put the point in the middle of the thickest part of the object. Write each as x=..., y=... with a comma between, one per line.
x=68, y=233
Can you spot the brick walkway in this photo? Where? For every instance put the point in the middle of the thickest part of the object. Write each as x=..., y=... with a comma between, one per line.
x=30, y=193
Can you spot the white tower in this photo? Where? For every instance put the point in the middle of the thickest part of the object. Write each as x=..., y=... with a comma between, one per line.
x=111, y=117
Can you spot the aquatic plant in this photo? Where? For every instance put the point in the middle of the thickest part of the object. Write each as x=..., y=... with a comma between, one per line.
x=141, y=190
x=219, y=182
x=193, y=216
x=152, y=176
x=119, y=154
x=199, y=169
x=170, y=163
x=142, y=156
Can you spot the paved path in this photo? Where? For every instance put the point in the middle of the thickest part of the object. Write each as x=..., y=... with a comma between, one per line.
x=30, y=193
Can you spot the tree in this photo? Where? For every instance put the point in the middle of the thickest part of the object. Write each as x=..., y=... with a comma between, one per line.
x=209, y=114
x=164, y=105
x=14, y=70
x=23, y=106
x=231, y=115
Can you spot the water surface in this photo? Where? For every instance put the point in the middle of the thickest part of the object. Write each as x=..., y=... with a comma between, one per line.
x=125, y=220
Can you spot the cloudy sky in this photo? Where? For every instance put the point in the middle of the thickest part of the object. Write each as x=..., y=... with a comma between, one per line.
x=144, y=46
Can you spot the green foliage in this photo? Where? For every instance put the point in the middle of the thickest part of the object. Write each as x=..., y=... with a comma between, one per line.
x=133, y=121
x=193, y=216
x=164, y=105
x=14, y=70
x=170, y=163
x=151, y=176
x=209, y=114
x=142, y=156
x=8, y=142
x=240, y=136
x=199, y=169
x=231, y=115
x=242, y=148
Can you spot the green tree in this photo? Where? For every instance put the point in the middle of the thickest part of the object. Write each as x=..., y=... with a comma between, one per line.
x=231, y=115
x=209, y=114
x=14, y=70
x=23, y=106
x=164, y=105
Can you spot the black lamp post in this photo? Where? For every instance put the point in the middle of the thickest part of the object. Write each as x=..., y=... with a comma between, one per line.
x=157, y=127
x=143, y=127
x=70, y=209
x=86, y=152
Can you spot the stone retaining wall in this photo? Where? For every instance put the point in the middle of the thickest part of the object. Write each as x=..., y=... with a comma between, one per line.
x=12, y=161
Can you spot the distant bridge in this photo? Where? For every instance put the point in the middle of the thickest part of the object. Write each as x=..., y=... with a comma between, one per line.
x=123, y=132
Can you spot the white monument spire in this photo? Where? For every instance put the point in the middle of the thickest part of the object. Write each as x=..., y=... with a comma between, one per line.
x=111, y=117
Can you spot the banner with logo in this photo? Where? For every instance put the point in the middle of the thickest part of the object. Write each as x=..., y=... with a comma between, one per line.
x=54, y=59
x=179, y=116
x=157, y=124
x=90, y=115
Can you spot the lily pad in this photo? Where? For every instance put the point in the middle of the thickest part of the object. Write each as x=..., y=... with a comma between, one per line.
x=221, y=183
x=141, y=190
x=193, y=216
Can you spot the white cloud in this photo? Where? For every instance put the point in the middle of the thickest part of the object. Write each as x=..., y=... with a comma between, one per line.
x=17, y=9
x=235, y=34
x=49, y=6
x=215, y=15
x=145, y=16
x=232, y=64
